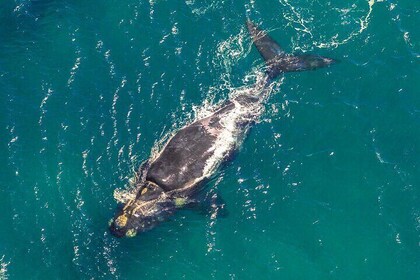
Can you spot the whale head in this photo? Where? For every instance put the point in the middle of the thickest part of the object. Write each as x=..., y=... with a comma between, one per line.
x=150, y=207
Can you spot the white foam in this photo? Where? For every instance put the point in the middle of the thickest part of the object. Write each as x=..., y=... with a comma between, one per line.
x=230, y=138
x=3, y=268
x=229, y=52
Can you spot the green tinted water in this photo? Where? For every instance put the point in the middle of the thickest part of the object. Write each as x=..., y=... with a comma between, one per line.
x=326, y=186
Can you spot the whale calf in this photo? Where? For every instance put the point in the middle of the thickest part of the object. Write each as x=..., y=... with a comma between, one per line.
x=194, y=153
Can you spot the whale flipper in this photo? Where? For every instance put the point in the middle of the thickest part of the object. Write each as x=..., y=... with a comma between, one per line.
x=169, y=180
x=211, y=205
x=279, y=61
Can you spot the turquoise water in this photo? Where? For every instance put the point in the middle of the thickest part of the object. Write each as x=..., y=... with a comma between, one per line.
x=326, y=186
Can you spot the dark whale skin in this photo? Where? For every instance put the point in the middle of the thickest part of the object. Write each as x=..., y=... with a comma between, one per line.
x=182, y=161
x=168, y=180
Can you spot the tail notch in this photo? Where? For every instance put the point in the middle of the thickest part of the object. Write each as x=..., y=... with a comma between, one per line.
x=277, y=60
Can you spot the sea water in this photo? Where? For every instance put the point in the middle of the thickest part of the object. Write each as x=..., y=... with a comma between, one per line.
x=325, y=186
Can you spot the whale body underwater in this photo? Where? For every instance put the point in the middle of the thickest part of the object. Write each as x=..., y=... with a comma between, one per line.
x=169, y=180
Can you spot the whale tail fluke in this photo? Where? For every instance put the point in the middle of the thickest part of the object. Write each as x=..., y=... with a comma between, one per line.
x=277, y=60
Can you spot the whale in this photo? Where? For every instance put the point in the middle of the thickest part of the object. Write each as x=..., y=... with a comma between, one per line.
x=169, y=180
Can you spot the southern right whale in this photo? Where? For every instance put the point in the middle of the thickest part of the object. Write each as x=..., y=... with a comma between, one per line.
x=169, y=180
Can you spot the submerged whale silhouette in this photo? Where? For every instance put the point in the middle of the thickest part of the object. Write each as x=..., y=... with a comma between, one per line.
x=194, y=153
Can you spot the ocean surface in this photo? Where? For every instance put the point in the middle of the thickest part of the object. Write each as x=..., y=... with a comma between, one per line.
x=325, y=186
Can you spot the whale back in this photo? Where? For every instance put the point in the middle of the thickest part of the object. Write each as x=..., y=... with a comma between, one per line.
x=183, y=160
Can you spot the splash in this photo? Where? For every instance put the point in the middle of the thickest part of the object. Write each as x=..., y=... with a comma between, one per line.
x=228, y=53
x=74, y=69
x=364, y=23
x=303, y=25
x=202, y=8
x=123, y=195
x=232, y=134
x=231, y=50
x=228, y=139
x=3, y=269
x=49, y=91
